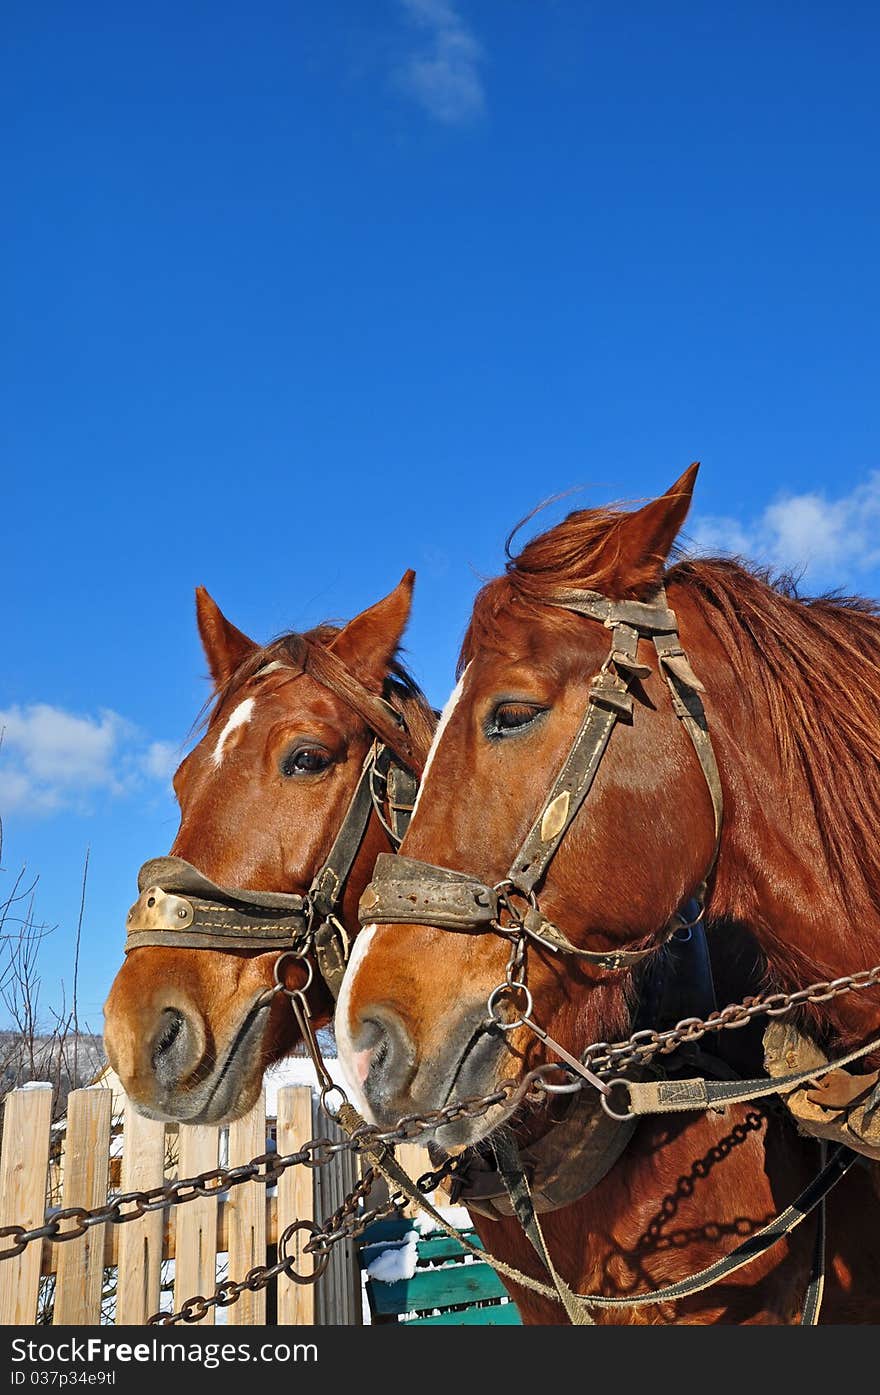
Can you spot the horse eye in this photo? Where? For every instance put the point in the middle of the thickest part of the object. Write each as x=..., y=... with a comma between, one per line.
x=513, y=716
x=305, y=760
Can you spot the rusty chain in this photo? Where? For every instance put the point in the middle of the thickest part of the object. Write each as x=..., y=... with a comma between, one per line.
x=642, y=1046
x=265, y=1169
x=347, y=1223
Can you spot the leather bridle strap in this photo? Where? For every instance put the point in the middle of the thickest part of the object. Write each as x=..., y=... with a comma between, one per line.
x=182, y=908
x=325, y=894
x=406, y=891
x=627, y=621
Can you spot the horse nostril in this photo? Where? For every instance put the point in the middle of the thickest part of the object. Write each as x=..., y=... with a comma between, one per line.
x=385, y=1060
x=173, y=1024
x=173, y=1047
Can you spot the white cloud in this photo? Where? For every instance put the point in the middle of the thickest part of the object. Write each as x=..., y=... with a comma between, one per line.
x=161, y=759
x=826, y=539
x=443, y=75
x=52, y=759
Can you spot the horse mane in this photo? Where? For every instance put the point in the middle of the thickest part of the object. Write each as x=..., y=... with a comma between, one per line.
x=816, y=660
x=399, y=689
x=825, y=726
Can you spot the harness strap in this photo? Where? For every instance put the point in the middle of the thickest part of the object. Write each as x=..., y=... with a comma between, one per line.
x=181, y=907
x=782, y=1225
x=812, y=1305
x=610, y=700
x=685, y=689
x=325, y=893
x=402, y=787
x=517, y=1186
x=678, y=1096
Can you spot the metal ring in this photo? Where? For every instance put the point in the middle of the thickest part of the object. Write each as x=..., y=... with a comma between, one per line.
x=507, y=888
x=571, y=1086
x=300, y=959
x=612, y=1113
x=329, y=1090
x=517, y=986
x=321, y=1260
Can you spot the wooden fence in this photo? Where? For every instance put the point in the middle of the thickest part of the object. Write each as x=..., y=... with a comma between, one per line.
x=125, y=1273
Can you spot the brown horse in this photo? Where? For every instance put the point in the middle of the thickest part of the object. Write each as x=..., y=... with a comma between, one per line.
x=261, y=796
x=792, y=697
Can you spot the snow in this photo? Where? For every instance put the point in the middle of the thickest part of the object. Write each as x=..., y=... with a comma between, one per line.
x=456, y=1216
x=396, y=1262
x=35, y=1085
x=296, y=1070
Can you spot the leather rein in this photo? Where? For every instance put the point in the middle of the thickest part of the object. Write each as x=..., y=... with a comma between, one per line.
x=180, y=907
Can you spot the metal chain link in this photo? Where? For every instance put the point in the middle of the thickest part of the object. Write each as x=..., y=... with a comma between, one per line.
x=346, y=1223
x=603, y=1057
x=265, y=1169
x=642, y=1046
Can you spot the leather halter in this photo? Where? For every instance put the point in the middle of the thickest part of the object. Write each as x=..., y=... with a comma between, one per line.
x=180, y=907
x=406, y=891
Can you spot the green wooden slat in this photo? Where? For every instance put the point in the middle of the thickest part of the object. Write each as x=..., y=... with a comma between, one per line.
x=498, y=1315
x=390, y=1229
x=436, y=1288
x=444, y=1247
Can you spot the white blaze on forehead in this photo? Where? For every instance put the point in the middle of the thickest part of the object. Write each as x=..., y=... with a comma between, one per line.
x=239, y=718
x=356, y=1064
x=443, y=723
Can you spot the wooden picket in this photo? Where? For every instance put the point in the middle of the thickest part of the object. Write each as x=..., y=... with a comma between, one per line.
x=121, y=1265
x=80, y=1272
x=24, y=1163
x=414, y=1159
x=139, y=1254
x=247, y=1215
x=296, y=1302
x=195, y=1265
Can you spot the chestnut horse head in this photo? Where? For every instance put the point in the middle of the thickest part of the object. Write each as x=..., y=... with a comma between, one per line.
x=412, y=1021
x=262, y=797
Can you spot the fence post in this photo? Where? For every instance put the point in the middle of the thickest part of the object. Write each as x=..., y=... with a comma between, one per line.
x=246, y=1212
x=195, y=1265
x=338, y=1295
x=24, y=1162
x=296, y=1302
x=140, y=1241
x=80, y=1271
x=415, y=1161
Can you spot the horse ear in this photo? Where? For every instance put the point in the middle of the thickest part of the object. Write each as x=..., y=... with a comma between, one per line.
x=225, y=646
x=368, y=643
x=644, y=539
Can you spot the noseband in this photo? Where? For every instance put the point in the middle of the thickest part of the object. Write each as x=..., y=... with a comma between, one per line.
x=405, y=891
x=181, y=908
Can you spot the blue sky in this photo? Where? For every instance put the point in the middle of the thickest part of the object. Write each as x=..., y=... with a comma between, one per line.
x=299, y=295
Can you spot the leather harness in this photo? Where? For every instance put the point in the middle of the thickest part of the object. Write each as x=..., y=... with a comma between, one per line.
x=406, y=891
x=181, y=908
